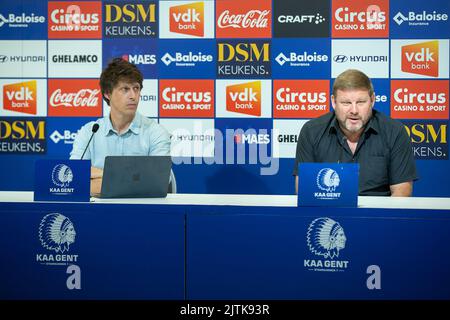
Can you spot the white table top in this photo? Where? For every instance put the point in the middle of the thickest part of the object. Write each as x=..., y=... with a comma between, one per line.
x=251, y=200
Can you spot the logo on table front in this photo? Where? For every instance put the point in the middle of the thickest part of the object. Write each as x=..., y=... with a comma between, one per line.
x=62, y=176
x=326, y=237
x=56, y=233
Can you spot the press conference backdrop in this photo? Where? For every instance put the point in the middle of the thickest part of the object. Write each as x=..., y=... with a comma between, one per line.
x=233, y=81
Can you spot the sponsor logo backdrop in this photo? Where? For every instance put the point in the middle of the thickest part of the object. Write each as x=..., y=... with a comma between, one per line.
x=223, y=75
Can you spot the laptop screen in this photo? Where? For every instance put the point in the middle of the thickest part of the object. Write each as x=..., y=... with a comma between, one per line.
x=136, y=176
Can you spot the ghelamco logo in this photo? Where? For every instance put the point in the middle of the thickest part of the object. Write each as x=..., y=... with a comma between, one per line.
x=325, y=238
x=56, y=233
x=20, y=21
x=419, y=19
x=62, y=176
x=327, y=180
x=186, y=60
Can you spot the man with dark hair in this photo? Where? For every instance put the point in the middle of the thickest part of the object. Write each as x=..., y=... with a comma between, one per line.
x=355, y=132
x=124, y=131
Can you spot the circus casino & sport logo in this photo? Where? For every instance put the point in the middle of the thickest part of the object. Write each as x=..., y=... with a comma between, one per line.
x=325, y=239
x=56, y=234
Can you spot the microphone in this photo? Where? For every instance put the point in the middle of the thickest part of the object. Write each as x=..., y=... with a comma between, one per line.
x=94, y=130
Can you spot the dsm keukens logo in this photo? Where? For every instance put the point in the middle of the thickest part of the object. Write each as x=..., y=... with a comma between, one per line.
x=56, y=232
x=325, y=238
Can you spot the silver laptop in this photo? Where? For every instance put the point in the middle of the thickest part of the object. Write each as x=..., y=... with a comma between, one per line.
x=136, y=177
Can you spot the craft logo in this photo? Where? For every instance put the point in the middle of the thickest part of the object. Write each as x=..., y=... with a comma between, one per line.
x=74, y=98
x=56, y=233
x=428, y=139
x=243, y=59
x=419, y=99
x=23, y=20
x=20, y=97
x=248, y=19
x=421, y=58
x=186, y=99
x=244, y=98
x=326, y=238
x=300, y=98
x=140, y=59
x=360, y=19
x=188, y=19
x=423, y=18
x=124, y=20
x=22, y=135
x=75, y=20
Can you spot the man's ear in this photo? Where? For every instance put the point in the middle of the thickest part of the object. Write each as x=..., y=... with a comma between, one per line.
x=333, y=102
x=372, y=98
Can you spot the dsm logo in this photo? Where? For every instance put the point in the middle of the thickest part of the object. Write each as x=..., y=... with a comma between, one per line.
x=62, y=175
x=328, y=180
x=325, y=237
x=56, y=232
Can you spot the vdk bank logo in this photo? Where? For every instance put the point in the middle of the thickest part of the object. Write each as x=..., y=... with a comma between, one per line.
x=188, y=19
x=421, y=58
x=56, y=233
x=20, y=97
x=244, y=98
x=325, y=238
x=327, y=180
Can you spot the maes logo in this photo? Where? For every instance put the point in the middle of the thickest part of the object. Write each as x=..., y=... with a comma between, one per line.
x=421, y=58
x=140, y=58
x=188, y=19
x=244, y=98
x=20, y=97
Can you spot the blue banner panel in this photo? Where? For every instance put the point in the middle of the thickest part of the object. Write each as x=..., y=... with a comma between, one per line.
x=23, y=20
x=140, y=52
x=317, y=254
x=420, y=19
x=301, y=58
x=328, y=184
x=91, y=251
x=62, y=180
x=187, y=59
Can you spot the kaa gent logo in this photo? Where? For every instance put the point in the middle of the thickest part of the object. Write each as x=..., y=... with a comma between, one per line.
x=62, y=175
x=328, y=180
x=56, y=232
x=325, y=237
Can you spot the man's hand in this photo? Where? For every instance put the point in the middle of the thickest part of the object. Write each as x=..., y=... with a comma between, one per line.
x=96, y=180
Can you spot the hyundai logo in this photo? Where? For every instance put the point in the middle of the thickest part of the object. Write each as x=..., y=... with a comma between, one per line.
x=340, y=58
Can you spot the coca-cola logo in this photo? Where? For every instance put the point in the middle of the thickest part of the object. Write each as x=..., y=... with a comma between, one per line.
x=251, y=19
x=82, y=98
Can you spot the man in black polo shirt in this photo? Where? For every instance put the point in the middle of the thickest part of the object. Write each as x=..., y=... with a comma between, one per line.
x=355, y=132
